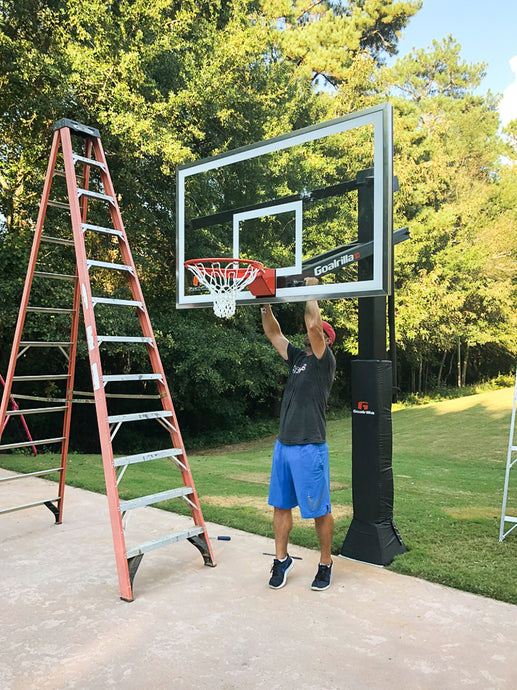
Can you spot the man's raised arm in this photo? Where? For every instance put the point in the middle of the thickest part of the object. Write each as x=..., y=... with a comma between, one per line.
x=313, y=323
x=273, y=331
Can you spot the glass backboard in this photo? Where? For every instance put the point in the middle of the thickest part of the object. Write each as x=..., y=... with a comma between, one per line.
x=316, y=201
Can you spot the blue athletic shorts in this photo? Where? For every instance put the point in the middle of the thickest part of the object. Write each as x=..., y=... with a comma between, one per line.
x=300, y=477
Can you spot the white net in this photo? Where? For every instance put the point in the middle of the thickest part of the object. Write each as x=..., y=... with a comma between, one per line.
x=224, y=280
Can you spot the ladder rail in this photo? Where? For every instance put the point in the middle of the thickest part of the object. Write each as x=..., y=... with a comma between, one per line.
x=152, y=350
x=72, y=356
x=28, y=279
x=147, y=330
x=145, y=324
x=78, y=208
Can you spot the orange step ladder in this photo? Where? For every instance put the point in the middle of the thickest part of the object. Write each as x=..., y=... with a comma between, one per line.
x=94, y=235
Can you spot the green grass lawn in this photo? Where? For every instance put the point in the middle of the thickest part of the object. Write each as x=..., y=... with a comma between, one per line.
x=449, y=462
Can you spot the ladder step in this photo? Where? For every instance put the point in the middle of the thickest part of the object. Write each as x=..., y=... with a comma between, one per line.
x=164, y=541
x=132, y=377
x=117, y=302
x=41, y=377
x=42, y=442
x=138, y=416
x=146, y=457
x=101, y=229
x=56, y=276
x=43, y=343
x=59, y=204
x=36, y=410
x=112, y=267
x=95, y=195
x=57, y=240
x=88, y=161
x=29, y=505
x=50, y=310
x=123, y=339
x=62, y=173
x=155, y=498
x=38, y=473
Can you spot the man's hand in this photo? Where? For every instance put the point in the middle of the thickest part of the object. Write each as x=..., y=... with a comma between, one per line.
x=311, y=280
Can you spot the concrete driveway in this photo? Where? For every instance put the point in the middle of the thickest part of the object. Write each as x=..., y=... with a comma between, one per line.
x=190, y=626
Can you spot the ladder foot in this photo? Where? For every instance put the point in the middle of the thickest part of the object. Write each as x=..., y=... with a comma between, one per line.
x=54, y=511
x=200, y=543
x=132, y=564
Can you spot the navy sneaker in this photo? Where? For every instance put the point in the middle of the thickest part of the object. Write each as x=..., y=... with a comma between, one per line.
x=279, y=572
x=322, y=579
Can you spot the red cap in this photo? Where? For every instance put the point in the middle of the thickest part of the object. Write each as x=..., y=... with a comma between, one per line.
x=329, y=331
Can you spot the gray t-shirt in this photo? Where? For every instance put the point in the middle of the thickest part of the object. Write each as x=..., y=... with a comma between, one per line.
x=302, y=414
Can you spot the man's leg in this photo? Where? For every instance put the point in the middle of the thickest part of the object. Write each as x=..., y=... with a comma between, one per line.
x=282, y=526
x=282, y=564
x=325, y=530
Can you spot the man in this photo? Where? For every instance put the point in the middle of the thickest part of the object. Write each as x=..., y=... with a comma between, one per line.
x=300, y=470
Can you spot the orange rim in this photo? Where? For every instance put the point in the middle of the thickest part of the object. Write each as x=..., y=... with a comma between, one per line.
x=219, y=270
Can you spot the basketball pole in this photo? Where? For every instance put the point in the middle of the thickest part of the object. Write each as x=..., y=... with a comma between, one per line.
x=372, y=536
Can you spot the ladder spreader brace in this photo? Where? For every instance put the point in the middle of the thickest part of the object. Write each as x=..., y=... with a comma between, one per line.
x=15, y=411
x=96, y=191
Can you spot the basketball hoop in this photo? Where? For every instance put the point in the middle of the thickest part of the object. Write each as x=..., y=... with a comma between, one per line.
x=224, y=278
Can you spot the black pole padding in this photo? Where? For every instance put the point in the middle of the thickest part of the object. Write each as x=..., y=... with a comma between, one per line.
x=372, y=440
x=372, y=536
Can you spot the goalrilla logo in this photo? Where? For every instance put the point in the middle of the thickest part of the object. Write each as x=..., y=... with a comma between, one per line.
x=363, y=408
x=336, y=263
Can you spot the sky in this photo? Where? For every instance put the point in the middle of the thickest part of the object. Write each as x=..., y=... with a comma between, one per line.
x=486, y=31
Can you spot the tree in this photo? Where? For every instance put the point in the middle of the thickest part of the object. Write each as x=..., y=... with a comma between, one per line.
x=168, y=82
x=448, y=159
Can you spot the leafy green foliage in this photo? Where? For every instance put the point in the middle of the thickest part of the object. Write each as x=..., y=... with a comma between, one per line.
x=456, y=291
x=168, y=82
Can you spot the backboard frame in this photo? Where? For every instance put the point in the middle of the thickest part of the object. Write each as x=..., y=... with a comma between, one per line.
x=381, y=118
